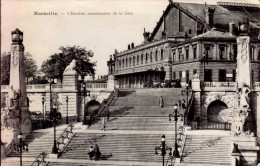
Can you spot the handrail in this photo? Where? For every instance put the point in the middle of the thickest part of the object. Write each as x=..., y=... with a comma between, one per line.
x=105, y=103
x=65, y=138
x=40, y=159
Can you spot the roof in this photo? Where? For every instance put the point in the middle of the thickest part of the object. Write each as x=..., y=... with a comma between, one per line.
x=223, y=15
x=213, y=33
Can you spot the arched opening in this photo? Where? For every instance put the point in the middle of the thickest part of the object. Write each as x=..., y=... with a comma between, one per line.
x=90, y=110
x=218, y=112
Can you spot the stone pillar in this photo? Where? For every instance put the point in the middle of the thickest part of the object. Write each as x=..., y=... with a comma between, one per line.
x=197, y=96
x=243, y=61
x=111, y=83
x=17, y=82
x=70, y=90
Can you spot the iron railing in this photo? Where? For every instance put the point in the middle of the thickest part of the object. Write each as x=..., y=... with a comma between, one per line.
x=65, y=138
x=40, y=160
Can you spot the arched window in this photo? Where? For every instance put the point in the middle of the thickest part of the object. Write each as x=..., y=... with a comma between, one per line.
x=137, y=63
x=156, y=55
x=161, y=54
x=134, y=61
x=142, y=58
x=151, y=56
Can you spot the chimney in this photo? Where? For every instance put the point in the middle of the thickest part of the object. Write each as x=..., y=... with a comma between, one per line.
x=209, y=13
x=146, y=37
x=128, y=46
x=232, y=28
x=133, y=45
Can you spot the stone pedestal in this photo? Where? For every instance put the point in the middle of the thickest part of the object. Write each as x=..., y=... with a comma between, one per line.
x=111, y=83
x=248, y=149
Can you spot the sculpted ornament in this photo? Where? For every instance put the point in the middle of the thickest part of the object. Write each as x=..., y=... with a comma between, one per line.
x=242, y=124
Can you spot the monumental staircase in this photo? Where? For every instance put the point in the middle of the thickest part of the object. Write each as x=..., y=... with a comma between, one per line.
x=135, y=127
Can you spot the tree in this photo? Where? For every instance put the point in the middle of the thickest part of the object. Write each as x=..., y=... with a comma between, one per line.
x=56, y=64
x=5, y=68
x=30, y=68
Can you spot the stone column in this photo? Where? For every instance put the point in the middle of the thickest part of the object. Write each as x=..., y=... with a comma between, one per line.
x=243, y=61
x=70, y=90
x=17, y=83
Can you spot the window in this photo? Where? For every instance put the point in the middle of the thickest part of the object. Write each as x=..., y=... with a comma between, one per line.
x=187, y=53
x=119, y=64
x=181, y=56
x=126, y=62
x=187, y=76
x=252, y=49
x=180, y=75
x=161, y=54
x=222, y=54
x=137, y=63
x=252, y=76
x=259, y=76
x=194, y=52
x=156, y=55
x=174, y=75
x=234, y=75
x=151, y=56
x=222, y=75
x=258, y=56
x=130, y=61
x=194, y=71
x=235, y=52
x=207, y=51
x=142, y=58
x=123, y=63
x=173, y=56
x=208, y=75
x=134, y=61
x=146, y=58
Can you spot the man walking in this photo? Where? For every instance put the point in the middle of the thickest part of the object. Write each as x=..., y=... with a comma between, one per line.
x=103, y=124
x=161, y=103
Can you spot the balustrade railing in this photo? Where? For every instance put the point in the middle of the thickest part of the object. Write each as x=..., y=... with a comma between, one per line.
x=40, y=160
x=220, y=84
x=214, y=126
x=65, y=138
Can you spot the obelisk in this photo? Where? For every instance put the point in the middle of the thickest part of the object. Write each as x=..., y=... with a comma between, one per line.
x=17, y=83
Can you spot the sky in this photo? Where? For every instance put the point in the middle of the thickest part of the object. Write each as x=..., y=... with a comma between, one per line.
x=43, y=35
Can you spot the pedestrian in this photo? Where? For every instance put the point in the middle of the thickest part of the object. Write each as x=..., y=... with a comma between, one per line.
x=161, y=103
x=97, y=152
x=183, y=104
x=103, y=124
x=91, y=152
x=108, y=115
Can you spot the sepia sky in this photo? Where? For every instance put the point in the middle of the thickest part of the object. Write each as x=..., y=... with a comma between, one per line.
x=43, y=35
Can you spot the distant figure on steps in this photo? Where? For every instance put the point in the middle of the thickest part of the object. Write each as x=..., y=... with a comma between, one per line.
x=103, y=124
x=91, y=152
x=161, y=103
x=108, y=115
x=97, y=152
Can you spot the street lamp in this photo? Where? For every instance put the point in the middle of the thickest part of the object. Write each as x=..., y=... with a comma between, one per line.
x=85, y=93
x=43, y=120
x=54, y=115
x=176, y=115
x=67, y=118
x=163, y=148
x=21, y=146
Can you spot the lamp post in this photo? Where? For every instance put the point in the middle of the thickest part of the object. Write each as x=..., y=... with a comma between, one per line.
x=19, y=147
x=176, y=115
x=43, y=118
x=187, y=90
x=67, y=118
x=54, y=115
x=85, y=93
x=163, y=148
